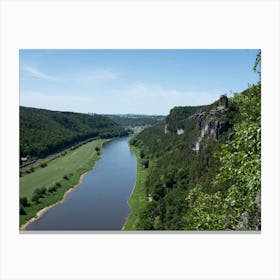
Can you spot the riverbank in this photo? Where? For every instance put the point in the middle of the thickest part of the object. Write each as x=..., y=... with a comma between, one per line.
x=46, y=209
x=138, y=196
x=78, y=161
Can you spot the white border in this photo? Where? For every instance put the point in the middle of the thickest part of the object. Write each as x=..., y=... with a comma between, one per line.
x=143, y=24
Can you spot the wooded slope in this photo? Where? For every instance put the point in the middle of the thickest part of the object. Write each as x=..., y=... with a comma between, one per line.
x=43, y=132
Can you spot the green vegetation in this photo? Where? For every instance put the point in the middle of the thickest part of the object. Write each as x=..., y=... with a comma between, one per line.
x=46, y=186
x=234, y=202
x=44, y=132
x=218, y=186
x=136, y=120
x=179, y=114
x=138, y=199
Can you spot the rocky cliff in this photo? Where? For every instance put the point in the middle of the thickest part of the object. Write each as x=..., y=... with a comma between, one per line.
x=211, y=121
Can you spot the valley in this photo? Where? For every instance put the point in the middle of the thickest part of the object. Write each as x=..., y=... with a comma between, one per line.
x=196, y=169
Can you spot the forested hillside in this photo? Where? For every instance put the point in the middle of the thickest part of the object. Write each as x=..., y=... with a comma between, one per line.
x=43, y=132
x=136, y=120
x=204, y=166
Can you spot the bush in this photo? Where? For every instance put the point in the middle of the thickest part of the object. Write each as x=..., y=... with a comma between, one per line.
x=36, y=197
x=65, y=177
x=58, y=184
x=145, y=163
x=38, y=193
x=23, y=201
x=133, y=141
x=22, y=210
x=97, y=149
x=142, y=154
x=43, y=190
x=53, y=188
x=43, y=165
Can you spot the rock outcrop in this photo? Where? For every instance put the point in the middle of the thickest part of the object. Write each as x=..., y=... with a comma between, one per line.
x=214, y=123
x=210, y=121
x=180, y=131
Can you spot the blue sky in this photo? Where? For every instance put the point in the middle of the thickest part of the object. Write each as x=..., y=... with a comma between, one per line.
x=131, y=81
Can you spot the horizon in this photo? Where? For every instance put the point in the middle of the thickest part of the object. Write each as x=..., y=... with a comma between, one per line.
x=136, y=82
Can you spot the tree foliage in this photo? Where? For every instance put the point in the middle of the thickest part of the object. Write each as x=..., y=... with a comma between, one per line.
x=136, y=120
x=43, y=132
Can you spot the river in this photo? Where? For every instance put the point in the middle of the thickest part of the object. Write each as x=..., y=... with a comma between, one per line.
x=100, y=201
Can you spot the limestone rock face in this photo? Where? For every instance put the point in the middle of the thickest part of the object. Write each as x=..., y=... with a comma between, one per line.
x=217, y=127
x=180, y=131
x=211, y=123
x=214, y=123
x=166, y=131
x=223, y=101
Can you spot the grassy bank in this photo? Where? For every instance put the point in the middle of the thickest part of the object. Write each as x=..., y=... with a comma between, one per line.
x=138, y=197
x=56, y=177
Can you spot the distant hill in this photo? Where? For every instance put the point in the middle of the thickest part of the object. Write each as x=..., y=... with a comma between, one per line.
x=130, y=120
x=43, y=132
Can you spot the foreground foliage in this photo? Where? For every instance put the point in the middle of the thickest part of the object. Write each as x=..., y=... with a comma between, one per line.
x=236, y=201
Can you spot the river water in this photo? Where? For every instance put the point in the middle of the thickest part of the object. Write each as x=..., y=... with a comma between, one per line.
x=100, y=201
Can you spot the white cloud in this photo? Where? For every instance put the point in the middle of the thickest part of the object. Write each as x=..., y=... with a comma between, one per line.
x=153, y=99
x=36, y=73
x=138, y=98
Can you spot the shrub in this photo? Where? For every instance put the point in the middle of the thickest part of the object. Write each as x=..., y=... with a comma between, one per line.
x=43, y=165
x=53, y=188
x=142, y=154
x=65, y=177
x=43, y=190
x=24, y=202
x=38, y=193
x=22, y=210
x=145, y=163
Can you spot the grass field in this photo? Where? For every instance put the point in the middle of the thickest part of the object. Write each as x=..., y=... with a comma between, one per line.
x=64, y=171
x=138, y=198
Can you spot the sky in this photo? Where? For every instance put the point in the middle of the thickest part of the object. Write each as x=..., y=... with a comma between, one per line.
x=131, y=81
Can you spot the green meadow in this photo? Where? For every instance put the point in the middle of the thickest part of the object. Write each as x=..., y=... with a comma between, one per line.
x=56, y=176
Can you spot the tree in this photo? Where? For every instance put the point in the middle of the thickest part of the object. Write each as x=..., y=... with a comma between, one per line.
x=24, y=202
x=142, y=154
x=38, y=193
x=22, y=210
x=145, y=163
